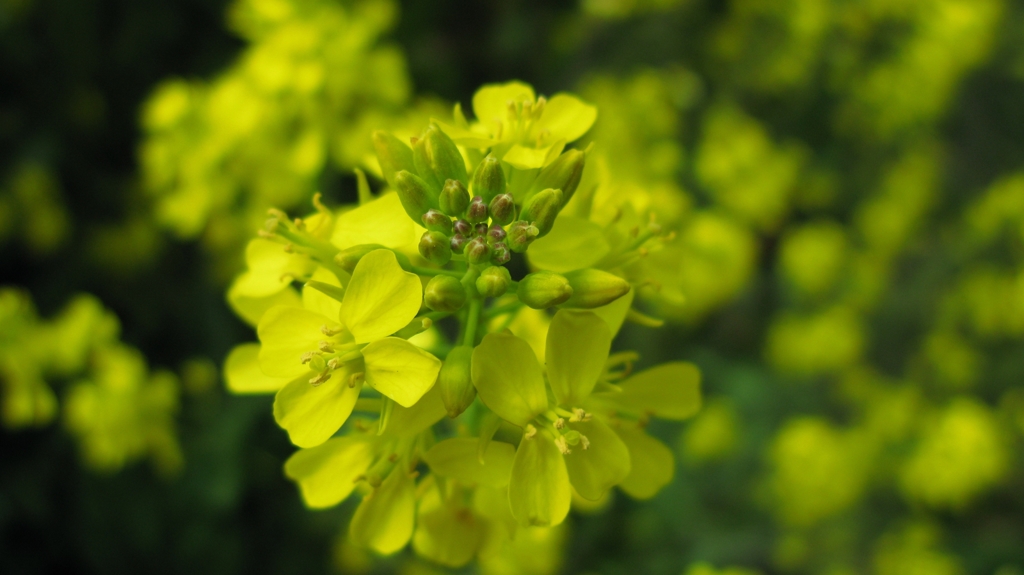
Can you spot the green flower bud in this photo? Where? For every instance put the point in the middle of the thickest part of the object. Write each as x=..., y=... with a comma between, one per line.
x=349, y=257
x=437, y=158
x=393, y=154
x=562, y=174
x=493, y=281
x=455, y=380
x=480, y=230
x=520, y=235
x=435, y=221
x=444, y=293
x=463, y=227
x=458, y=243
x=477, y=251
x=488, y=179
x=500, y=254
x=594, y=288
x=435, y=247
x=454, y=198
x=542, y=209
x=541, y=290
x=477, y=211
x=502, y=209
x=496, y=234
x=413, y=193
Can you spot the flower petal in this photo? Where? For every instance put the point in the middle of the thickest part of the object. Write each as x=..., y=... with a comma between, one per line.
x=577, y=349
x=382, y=221
x=445, y=532
x=317, y=301
x=406, y=422
x=572, y=244
x=400, y=370
x=508, y=378
x=243, y=374
x=652, y=463
x=381, y=299
x=384, y=519
x=327, y=474
x=669, y=391
x=614, y=314
x=459, y=458
x=251, y=309
x=490, y=103
x=538, y=489
x=603, y=465
x=286, y=333
x=567, y=117
x=312, y=414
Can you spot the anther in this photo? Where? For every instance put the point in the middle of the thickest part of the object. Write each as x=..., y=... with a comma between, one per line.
x=325, y=347
x=578, y=414
x=563, y=446
x=559, y=423
x=531, y=431
x=306, y=357
x=320, y=378
x=584, y=442
x=328, y=331
x=334, y=363
x=355, y=379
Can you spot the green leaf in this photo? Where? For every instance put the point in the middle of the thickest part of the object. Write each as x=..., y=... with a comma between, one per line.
x=286, y=333
x=668, y=391
x=459, y=458
x=573, y=243
x=538, y=489
x=327, y=474
x=243, y=374
x=384, y=519
x=652, y=463
x=490, y=103
x=312, y=414
x=566, y=117
x=400, y=370
x=508, y=378
x=603, y=465
x=577, y=349
x=381, y=299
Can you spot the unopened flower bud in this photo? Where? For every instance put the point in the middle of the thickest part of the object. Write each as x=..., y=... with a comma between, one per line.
x=488, y=179
x=495, y=234
x=435, y=247
x=463, y=227
x=477, y=251
x=455, y=380
x=541, y=290
x=458, y=243
x=594, y=288
x=393, y=155
x=349, y=257
x=562, y=174
x=454, y=198
x=520, y=235
x=414, y=194
x=500, y=254
x=444, y=293
x=480, y=230
x=542, y=209
x=437, y=158
x=477, y=211
x=502, y=209
x=435, y=221
x=493, y=281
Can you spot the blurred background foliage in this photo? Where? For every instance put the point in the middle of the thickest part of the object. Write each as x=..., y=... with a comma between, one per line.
x=844, y=179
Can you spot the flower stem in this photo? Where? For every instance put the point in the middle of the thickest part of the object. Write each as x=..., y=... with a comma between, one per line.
x=473, y=321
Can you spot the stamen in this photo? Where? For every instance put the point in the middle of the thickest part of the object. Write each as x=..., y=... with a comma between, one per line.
x=562, y=445
x=584, y=442
x=334, y=363
x=578, y=414
x=325, y=347
x=319, y=379
x=306, y=357
x=559, y=423
x=355, y=379
x=328, y=331
x=531, y=431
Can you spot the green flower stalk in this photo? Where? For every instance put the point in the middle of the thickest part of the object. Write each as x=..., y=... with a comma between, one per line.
x=355, y=309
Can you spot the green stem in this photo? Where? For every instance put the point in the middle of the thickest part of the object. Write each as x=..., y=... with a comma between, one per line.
x=503, y=309
x=473, y=321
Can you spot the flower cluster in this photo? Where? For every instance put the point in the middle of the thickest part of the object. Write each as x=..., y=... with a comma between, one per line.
x=540, y=411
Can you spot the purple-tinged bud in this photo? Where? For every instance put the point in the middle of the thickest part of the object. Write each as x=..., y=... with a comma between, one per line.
x=520, y=235
x=458, y=243
x=500, y=254
x=435, y=221
x=480, y=230
x=493, y=281
x=495, y=234
x=477, y=251
x=502, y=209
x=477, y=211
x=463, y=227
x=435, y=247
x=488, y=179
x=454, y=198
x=444, y=293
